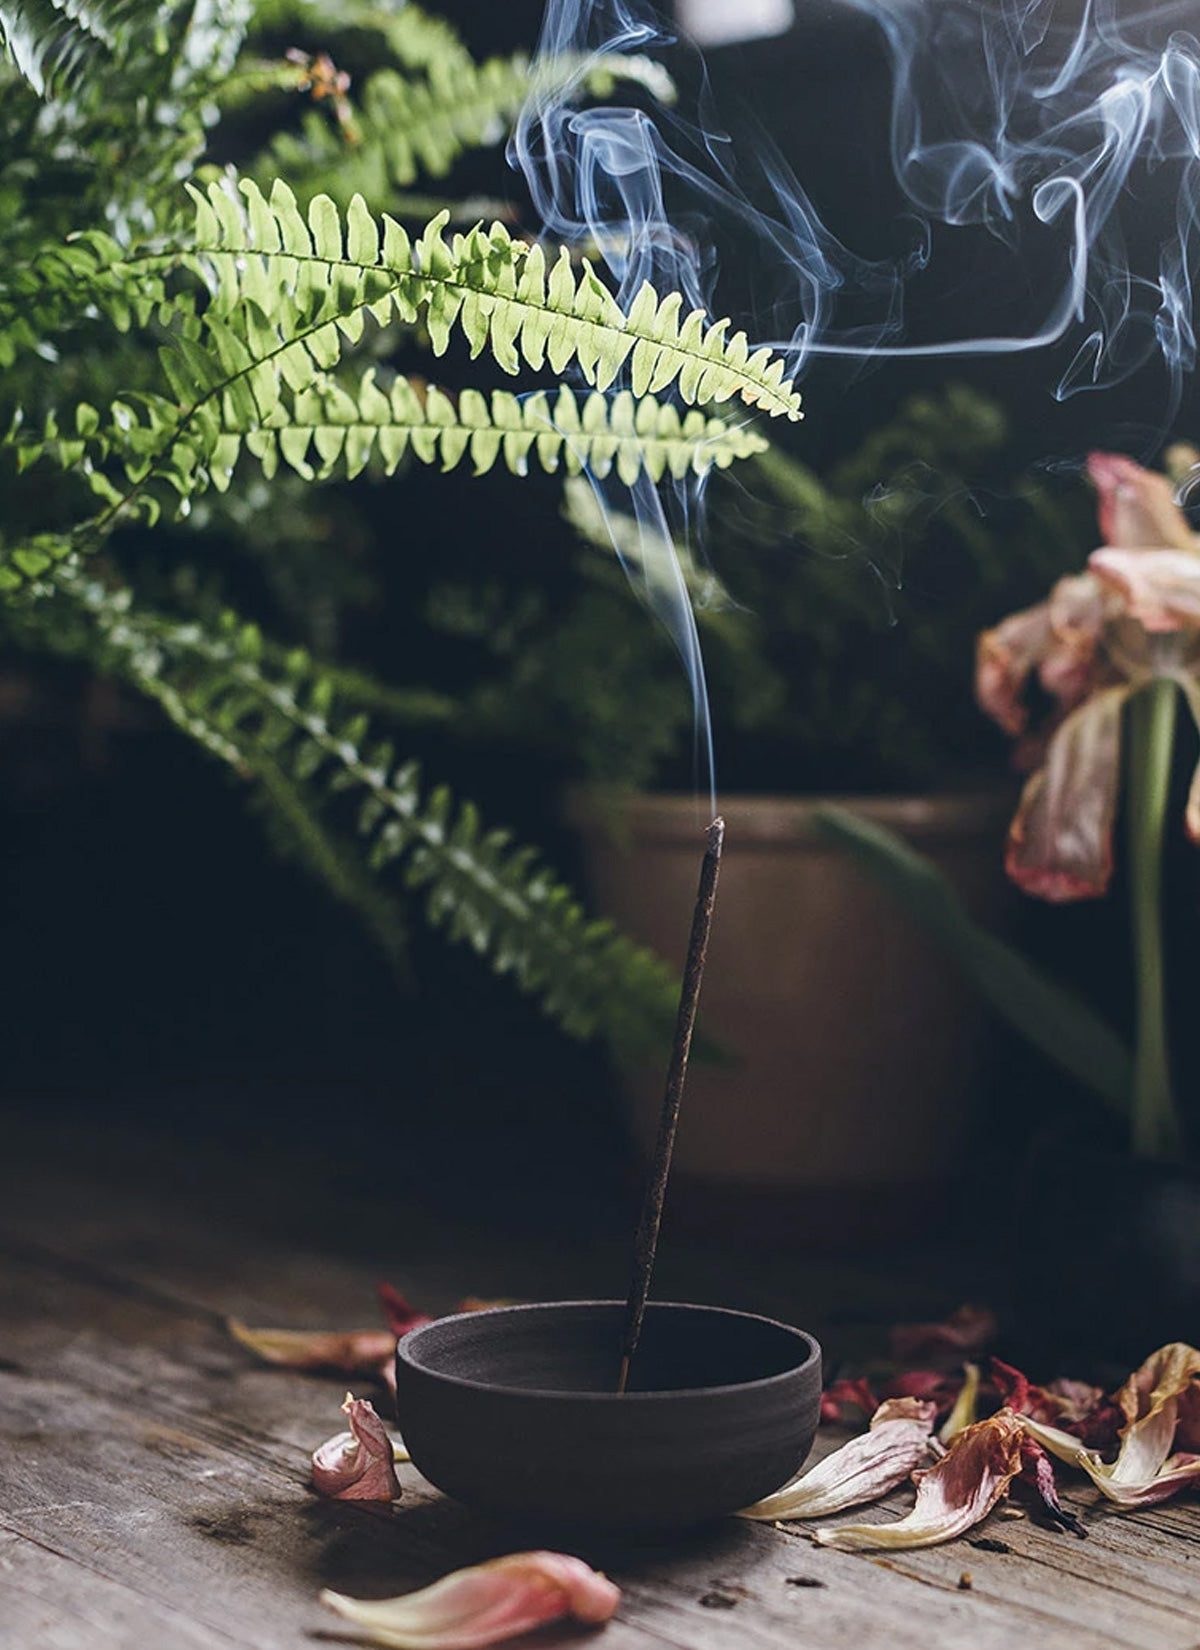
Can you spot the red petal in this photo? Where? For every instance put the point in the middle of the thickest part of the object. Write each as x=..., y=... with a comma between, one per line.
x=400, y=1313
x=1060, y=843
x=845, y=1394
x=1137, y=507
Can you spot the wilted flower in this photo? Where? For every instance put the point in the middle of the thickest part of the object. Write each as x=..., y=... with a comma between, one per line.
x=1132, y=618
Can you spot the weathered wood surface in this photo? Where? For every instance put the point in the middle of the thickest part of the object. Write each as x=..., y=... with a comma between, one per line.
x=153, y=1477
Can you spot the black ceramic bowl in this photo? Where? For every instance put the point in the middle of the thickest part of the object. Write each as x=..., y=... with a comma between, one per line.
x=514, y=1411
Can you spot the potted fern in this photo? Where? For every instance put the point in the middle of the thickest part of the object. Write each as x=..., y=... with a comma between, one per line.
x=202, y=328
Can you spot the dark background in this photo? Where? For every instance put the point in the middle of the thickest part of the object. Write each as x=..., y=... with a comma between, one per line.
x=159, y=966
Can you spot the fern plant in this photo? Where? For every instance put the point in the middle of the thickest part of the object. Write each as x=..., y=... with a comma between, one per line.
x=176, y=336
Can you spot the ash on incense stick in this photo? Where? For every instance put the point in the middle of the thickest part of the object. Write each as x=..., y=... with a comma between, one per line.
x=646, y=1243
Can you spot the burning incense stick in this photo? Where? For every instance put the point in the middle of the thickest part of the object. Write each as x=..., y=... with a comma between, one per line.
x=689, y=996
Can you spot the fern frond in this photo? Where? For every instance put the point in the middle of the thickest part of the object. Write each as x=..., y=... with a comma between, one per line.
x=407, y=126
x=319, y=276
x=335, y=428
x=53, y=42
x=485, y=892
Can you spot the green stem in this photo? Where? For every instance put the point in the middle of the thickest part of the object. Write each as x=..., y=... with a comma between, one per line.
x=1156, y=1130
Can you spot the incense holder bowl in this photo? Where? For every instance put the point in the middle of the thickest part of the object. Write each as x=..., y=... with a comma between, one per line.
x=515, y=1412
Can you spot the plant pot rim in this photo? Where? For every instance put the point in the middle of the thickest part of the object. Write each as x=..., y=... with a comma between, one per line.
x=784, y=821
x=409, y=1347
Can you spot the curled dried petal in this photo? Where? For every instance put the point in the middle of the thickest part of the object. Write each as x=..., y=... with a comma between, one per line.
x=1160, y=588
x=1137, y=507
x=966, y=1405
x=1060, y=843
x=1037, y=1470
x=485, y=1604
x=963, y=1488
x=862, y=1470
x=337, y=1352
x=357, y=1465
x=1158, y=1402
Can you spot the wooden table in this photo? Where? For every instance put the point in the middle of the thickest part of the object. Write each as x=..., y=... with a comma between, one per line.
x=153, y=1476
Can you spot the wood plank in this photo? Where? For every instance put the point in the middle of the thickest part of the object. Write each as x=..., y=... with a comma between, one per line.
x=51, y=1603
x=161, y=1476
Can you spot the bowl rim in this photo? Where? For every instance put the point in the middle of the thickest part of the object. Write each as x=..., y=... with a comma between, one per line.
x=410, y=1343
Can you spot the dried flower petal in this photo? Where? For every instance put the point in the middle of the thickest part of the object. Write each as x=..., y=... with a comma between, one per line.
x=862, y=1470
x=963, y=1488
x=1060, y=843
x=1152, y=1401
x=336, y=1352
x=357, y=1465
x=485, y=1604
x=967, y=1330
x=1037, y=1470
x=1005, y=659
x=937, y=1385
x=966, y=1405
x=1160, y=588
x=1137, y=507
x=1069, y=671
x=845, y=1394
x=398, y=1310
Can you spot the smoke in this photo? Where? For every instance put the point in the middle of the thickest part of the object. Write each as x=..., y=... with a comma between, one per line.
x=1067, y=130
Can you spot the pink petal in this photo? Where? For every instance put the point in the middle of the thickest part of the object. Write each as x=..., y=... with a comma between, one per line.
x=862, y=1470
x=1060, y=843
x=963, y=1488
x=357, y=1465
x=1160, y=588
x=1004, y=661
x=969, y=1329
x=1069, y=671
x=484, y=1605
x=1137, y=507
x=338, y=1352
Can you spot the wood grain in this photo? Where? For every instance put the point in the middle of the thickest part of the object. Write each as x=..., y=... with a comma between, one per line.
x=154, y=1496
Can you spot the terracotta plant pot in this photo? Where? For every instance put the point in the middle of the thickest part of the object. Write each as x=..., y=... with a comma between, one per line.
x=856, y=1047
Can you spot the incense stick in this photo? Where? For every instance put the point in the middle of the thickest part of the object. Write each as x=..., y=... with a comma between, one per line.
x=646, y=1243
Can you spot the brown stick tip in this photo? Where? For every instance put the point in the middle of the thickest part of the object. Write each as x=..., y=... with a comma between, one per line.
x=716, y=835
